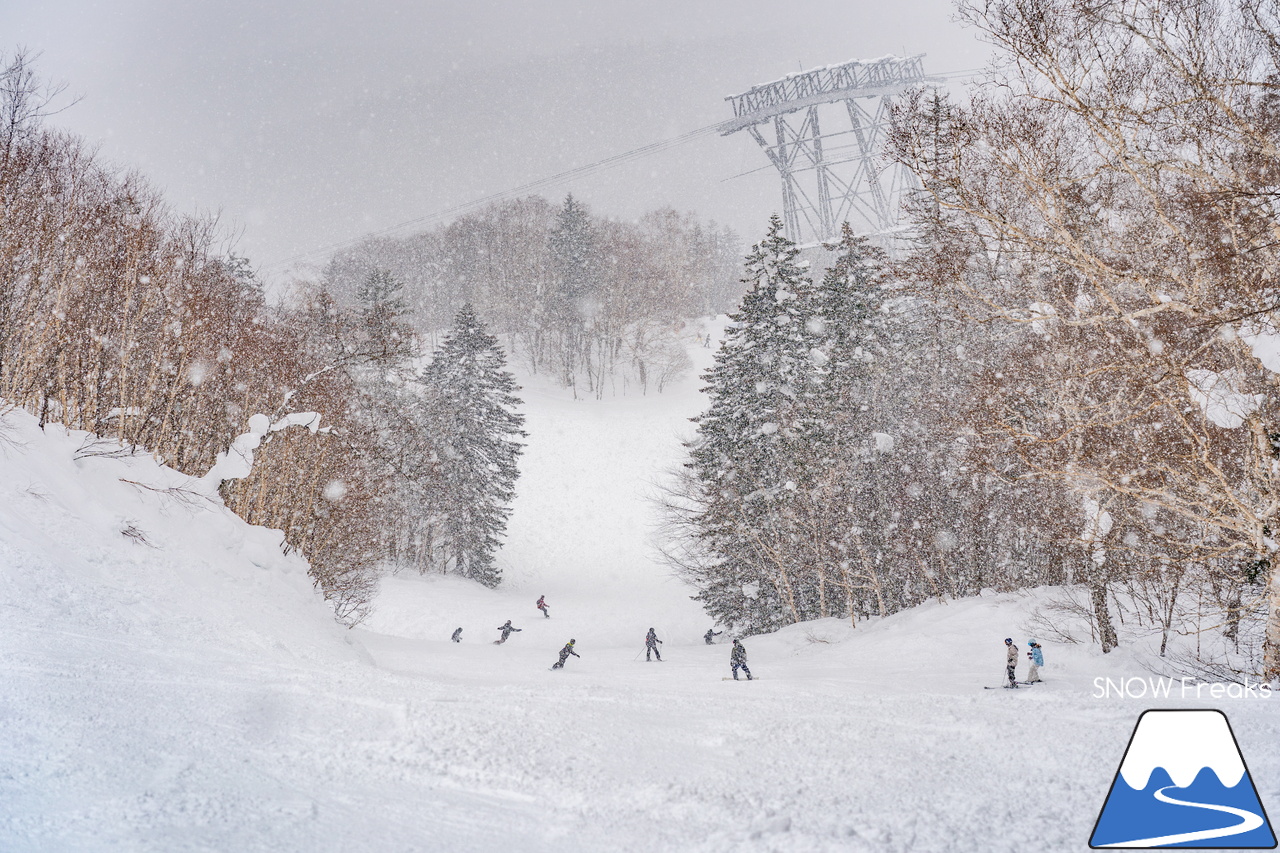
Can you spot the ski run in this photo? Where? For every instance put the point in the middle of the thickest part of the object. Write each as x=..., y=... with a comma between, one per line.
x=171, y=682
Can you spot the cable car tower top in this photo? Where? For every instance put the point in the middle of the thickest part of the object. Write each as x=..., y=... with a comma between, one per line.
x=837, y=176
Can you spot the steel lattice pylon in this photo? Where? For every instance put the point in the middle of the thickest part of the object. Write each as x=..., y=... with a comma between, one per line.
x=828, y=144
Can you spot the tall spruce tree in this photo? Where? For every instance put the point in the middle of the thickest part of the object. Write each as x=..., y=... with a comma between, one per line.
x=480, y=432
x=572, y=246
x=749, y=454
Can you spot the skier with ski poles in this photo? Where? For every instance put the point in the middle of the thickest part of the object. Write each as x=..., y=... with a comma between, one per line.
x=457, y=636
x=564, y=655
x=738, y=660
x=1011, y=661
x=542, y=605
x=1037, y=660
x=711, y=632
x=651, y=643
x=506, y=628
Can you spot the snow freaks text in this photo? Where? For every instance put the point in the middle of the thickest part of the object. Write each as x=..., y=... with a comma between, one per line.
x=1152, y=687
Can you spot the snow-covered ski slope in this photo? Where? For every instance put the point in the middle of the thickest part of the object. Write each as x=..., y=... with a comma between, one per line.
x=169, y=682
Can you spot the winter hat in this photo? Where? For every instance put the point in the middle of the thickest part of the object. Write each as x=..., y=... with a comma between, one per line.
x=1008, y=641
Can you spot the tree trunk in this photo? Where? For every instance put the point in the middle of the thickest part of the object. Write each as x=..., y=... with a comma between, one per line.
x=1271, y=645
x=1101, y=612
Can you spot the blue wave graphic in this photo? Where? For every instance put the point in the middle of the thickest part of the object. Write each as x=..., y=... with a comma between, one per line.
x=1130, y=815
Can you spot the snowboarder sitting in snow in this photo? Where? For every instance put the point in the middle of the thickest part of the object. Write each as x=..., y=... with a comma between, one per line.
x=711, y=632
x=564, y=655
x=457, y=636
x=542, y=605
x=1037, y=661
x=738, y=660
x=1011, y=661
x=651, y=642
x=506, y=630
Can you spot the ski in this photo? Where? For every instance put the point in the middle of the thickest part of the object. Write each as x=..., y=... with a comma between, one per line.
x=739, y=679
x=1001, y=687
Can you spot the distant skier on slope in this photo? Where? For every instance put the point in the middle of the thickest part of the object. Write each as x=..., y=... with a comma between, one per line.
x=542, y=605
x=738, y=660
x=457, y=635
x=1037, y=661
x=651, y=643
x=1011, y=661
x=564, y=655
x=506, y=629
x=711, y=632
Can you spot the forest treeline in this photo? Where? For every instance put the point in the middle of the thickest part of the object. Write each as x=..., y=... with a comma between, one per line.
x=126, y=320
x=600, y=304
x=1069, y=376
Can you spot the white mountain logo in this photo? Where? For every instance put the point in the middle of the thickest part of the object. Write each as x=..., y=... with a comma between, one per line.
x=1183, y=783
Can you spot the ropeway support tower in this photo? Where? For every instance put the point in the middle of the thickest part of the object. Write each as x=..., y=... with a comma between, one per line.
x=828, y=131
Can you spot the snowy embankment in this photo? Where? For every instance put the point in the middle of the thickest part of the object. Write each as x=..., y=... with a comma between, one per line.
x=169, y=681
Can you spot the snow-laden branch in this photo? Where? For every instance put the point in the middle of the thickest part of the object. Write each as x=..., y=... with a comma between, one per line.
x=236, y=462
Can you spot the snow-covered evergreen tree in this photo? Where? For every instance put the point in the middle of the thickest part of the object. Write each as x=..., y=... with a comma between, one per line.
x=572, y=249
x=750, y=451
x=386, y=336
x=479, y=445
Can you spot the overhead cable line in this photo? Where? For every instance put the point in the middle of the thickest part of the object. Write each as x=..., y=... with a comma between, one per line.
x=561, y=177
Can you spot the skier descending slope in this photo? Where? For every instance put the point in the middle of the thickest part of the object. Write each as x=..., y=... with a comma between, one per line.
x=651, y=642
x=711, y=632
x=457, y=636
x=564, y=655
x=738, y=660
x=1037, y=661
x=542, y=605
x=506, y=628
x=1011, y=661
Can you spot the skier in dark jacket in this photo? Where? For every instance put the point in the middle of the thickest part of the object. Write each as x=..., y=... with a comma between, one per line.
x=564, y=655
x=651, y=642
x=738, y=660
x=542, y=605
x=506, y=629
x=457, y=636
x=711, y=632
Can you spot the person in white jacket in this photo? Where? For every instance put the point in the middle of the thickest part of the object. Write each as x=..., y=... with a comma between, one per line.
x=1011, y=661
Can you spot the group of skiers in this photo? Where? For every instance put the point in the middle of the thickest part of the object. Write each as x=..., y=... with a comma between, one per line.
x=1035, y=657
x=737, y=657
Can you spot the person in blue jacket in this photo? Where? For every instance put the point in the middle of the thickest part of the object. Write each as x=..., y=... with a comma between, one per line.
x=1037, y=661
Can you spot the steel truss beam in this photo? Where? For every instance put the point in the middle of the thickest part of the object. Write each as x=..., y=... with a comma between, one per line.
x=837, y=176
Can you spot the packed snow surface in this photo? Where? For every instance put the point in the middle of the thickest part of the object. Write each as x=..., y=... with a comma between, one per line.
x=169, y=681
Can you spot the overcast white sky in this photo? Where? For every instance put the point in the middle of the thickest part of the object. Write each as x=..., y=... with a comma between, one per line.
x=310, y=122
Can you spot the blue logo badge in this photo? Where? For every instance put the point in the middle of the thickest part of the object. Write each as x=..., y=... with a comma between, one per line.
x=1183, y=783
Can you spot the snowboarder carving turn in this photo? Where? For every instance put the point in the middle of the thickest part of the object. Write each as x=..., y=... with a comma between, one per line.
x=1011, y=661
x=1036, y=661
x=738, y=660
x=564, y=655
x=711, y=632
x=506, y=628
x=651, y=643
x=457, y=636
x=542, y=605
